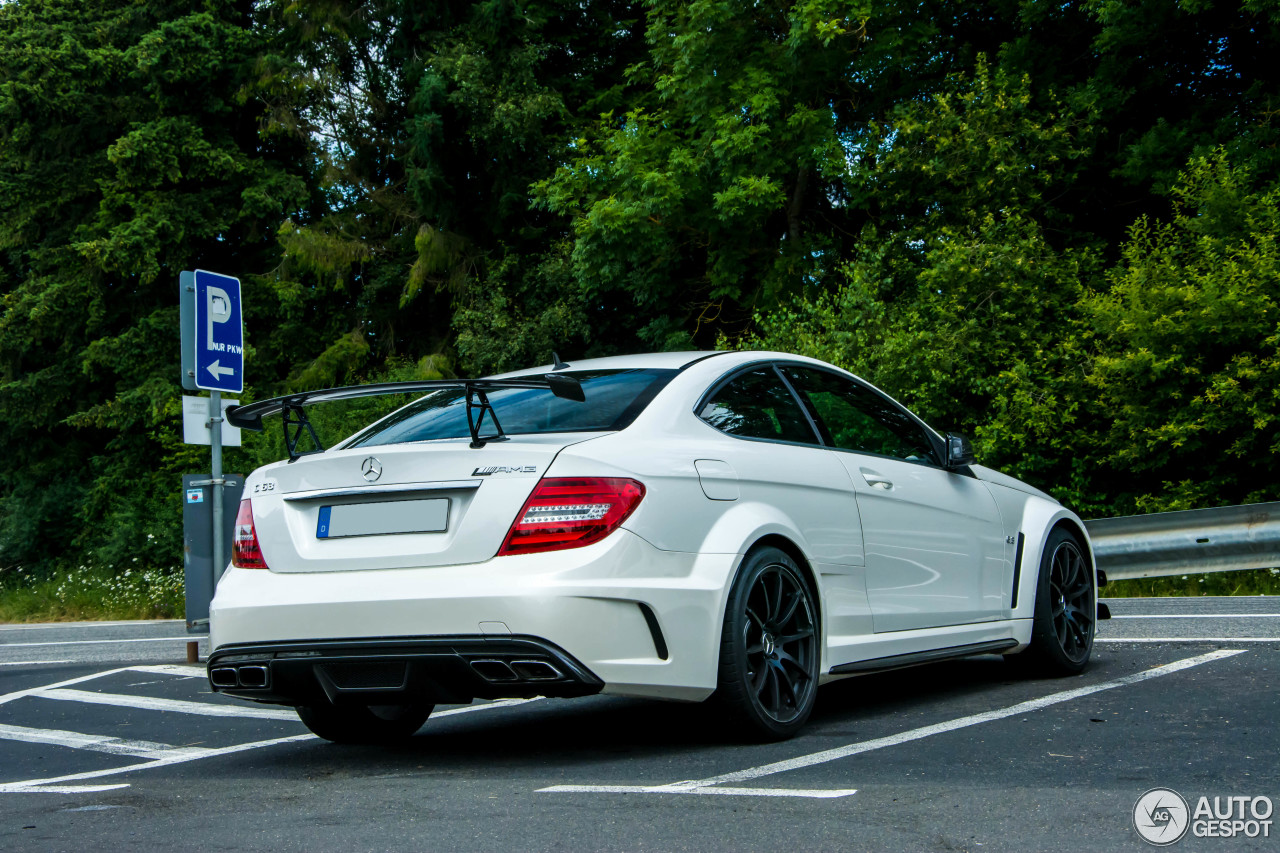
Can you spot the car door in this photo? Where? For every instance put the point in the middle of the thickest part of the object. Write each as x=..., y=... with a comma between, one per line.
x=782, y=469
x=935, y=542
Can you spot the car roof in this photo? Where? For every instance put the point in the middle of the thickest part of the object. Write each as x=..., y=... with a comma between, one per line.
x=653, y=360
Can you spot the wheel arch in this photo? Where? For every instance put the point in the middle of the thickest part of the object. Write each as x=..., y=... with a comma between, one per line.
x=1040, y=518
x=1072, y=526
x=792, y=550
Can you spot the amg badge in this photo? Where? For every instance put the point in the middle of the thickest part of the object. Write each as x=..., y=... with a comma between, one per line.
x=505, y=469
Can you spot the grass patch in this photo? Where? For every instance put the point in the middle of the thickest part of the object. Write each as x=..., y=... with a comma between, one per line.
x=1253, y=582
x=91, y=593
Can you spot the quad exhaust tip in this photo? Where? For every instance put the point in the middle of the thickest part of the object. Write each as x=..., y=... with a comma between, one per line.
x=516, y=670
x=224, y=676
x=494, y=670
x=535, y=670
x=252, y=675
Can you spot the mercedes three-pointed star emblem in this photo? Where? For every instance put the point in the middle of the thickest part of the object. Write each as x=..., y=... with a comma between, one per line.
x=371, y=468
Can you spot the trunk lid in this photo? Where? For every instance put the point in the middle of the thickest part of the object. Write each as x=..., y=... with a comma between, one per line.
x=444, y=503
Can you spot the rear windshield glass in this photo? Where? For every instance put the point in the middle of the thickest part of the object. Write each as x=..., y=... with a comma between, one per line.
x=613, y=399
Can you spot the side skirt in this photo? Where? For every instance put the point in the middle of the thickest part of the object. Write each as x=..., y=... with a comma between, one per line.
x=896, y=661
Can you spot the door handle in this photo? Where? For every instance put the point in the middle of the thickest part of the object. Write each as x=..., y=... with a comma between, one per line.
x=876, y=481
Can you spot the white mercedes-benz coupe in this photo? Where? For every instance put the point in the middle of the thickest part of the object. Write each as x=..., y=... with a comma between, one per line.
x=737, y=525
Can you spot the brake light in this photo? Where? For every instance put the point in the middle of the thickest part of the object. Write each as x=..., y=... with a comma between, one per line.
x=570, y=512
x=245, y=551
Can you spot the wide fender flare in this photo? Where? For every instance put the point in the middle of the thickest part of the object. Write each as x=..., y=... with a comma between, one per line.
x=1039, y=518
x=744, y=524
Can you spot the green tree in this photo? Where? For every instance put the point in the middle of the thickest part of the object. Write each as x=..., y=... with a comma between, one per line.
x=433, y=120
x=1187, y=371
x=130, y=149
x=954, y=281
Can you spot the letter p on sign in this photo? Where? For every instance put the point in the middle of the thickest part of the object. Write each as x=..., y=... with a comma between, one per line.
x=219, y=312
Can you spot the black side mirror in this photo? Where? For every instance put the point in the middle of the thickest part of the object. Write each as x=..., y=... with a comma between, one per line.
x=959, y=451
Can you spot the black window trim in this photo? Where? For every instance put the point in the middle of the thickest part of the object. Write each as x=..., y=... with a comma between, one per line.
x=733, y=374
x=935, y=440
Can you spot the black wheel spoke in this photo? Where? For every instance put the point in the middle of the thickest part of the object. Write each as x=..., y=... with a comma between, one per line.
x=786, y=685
x=1077, y=634
x=1078, y=629
x=783, y=657
x=775, y=599
x=788, y=639
x=790, y=610
x=761, y=673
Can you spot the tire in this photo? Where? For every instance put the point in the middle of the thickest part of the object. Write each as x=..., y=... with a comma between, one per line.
x=768, y=673
x=363, y=723
x=1065, y=612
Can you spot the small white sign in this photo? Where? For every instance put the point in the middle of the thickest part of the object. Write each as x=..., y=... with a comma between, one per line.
x=195, y=422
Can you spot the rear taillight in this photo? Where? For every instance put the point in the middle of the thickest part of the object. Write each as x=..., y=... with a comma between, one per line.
x=569, y=512
x=245, y=551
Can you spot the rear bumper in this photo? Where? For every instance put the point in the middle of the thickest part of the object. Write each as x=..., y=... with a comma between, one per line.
x=398, y=670
x=645, y=622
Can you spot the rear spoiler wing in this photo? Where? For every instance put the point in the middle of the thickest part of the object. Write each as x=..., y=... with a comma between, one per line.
x=294, y=419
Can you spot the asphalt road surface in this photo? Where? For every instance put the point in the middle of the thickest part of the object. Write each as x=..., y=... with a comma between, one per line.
x=108, y=741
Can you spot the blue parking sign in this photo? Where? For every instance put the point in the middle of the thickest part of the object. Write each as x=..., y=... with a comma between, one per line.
x=219, y=333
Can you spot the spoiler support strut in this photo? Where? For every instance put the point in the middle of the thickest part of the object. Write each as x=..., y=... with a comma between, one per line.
x=295, y=422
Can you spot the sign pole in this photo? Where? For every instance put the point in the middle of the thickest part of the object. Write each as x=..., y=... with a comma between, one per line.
x=215, y=427
x=213, y=360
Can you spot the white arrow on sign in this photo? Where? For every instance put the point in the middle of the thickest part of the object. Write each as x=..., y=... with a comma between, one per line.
x=220, y=371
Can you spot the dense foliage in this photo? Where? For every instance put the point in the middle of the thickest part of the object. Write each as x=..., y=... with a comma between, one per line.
x=1053, y=225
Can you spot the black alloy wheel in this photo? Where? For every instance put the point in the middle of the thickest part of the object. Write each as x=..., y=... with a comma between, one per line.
x=1071, y=601
x=1065, y=611
x=769, y=647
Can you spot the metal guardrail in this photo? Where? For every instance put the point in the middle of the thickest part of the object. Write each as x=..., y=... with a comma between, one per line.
x=1222, y=539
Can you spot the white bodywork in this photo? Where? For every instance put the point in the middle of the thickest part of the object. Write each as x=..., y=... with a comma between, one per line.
x=926, y=563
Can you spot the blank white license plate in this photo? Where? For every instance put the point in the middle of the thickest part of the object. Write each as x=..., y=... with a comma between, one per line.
x=384, y=517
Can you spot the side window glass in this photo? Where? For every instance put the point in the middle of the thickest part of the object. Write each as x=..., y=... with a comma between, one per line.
x=857, y=419
x=756, y=404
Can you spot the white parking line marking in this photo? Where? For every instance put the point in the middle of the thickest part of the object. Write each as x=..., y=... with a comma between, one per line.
x=7, y=788
x=208, y=709
x=184, y=670
x=1186, y=639
x=96, y=743
x=803, y=761
x=32, y=662
x=465, y=709
x=174, y=755
x=52, y=786
x=181, y=706
x=94, y=642
x=697, y=788
x=1199, y=616
x=30, y=691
